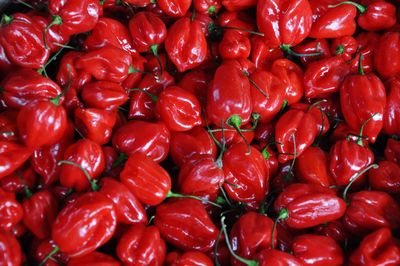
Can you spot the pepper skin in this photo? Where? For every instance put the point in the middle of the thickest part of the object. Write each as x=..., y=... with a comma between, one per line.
x=94, y=259
x=151, y=139
x=10, y=250
x=391, y=115
x=274, y=257
x=371, y=210
x=207, y=6
x=185, y=224
x=87, y=154
x=345, y=46
x=377, y=248
x=318, y=46
x=284, y=22
x=186, y=44
x=11, y=212
x=127, y=207
x=142, y=245
x=178, y=109
x=379, y=15
x=174, y=8
x=317, y=250
x=392, y=150
x=147, y=180
x=23, y=43
x=386, y=177
x=12, y=156
x=309, y=205
x=246, y=174
x=103, y=95
x=68, y=74
x=387, y=55
x=76, y=17
x=234, y=45
x=188, y=258
x=84, y=225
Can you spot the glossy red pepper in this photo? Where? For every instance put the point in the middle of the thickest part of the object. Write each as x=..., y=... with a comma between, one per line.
x=367, y=45
x=41, y=248
x=67, y=73
x=312, y=167
x=196, y=82
x=386, y=177
x=127, y=207
x=188, y=258
x=319, y=47
x=24, y=86
x=274, y=257
x=345, y=46
x=8, y=126
x=151, y=139
x=207, y=6
x=19, y=180
x=229, y=97
x=11, y=211
x=377, y=248
x=147, y=180
x=263, y=54
x=89, y=156
x=109, y=32
x=103, y=95
x=10, y=249
x=91, y=211
x=334, y=230
x=142, y=245
x=306, y=205
x=22, y=39
x=387, y=55
x=40, y=211
x=284, y=23
x=246, y=174
x=108, y=63
x=295, y=131
x=391, y=115
x=378, y=15
x=234, y=45
x=235, y=5
x=76, y=17
x=185, y=224
x=12, y=156
x=174, y=8
x=93, y=259
x=347, y=158
x=316, y=111
x=178, y=109
x=186, y=44
x=317, y=250
x=371, y=210
x=392, y=150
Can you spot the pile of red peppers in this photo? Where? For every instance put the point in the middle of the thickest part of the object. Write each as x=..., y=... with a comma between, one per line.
x=200, y=133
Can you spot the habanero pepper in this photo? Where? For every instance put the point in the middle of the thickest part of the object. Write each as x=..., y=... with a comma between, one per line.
x=12, y=156
x=93, y=259
x=188, y=258
x=10, y=249
x=386, y=177
x=103, y=95
x=11, y=212
x=174, y=8
x=387, y=55
x=391, y=115
x=392, y=150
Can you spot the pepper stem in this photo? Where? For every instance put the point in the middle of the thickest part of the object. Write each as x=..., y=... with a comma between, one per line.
x=154, y=50
x=362, y=9
x=54, y=251
x=359, y=140
x=57, y=20
x=360, y=67
x=339, y=49
x=6, y=19
x=235, y=121
x=355, y=177
x=287, y=49
x=42, y=70
x=216, y=262
x=56, y=100
x=222, y=148
x=212, y=27
x=121, y=158
x=177, y=195
x=290, y=172
x=243, y=260
x=255, y=84
x=28, y=192
x=283, y=215
x=93, y=183
x=24, y=3
x=153, y=97
x=211, y=10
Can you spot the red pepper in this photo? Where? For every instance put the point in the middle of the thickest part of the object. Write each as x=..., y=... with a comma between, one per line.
x=186, y=44
x=317, y=250
x=229, y=97
x=185, y=224
x=11, y=211
x=324, y=77
x=5, y=65
x=284, y=23
x=312, y=167
x=8, y=126
x=386, y=177
x=151, y=139
x=10, y=249
x=41, y=248
x=140, y=3
x=142, y=245
x=103, y=95
x=334, y=230
x=371, y=210
x=335, y=22
x=319, y=47
x=367, y=45
x=391, y=115
x=377, y=248
x=316, y=111
x=347, y=158
x=345, y=46
x=267, y=95
x=387, y=55
x=392, y=150
x=22, y=39
x=234, y=45
x=207, y=6
x=231, y=136
x=75, y=17
x=19, y=180
x=196, y=82
x=188, y=258
x=109, y=32
x=147, y=31
x=200, y=176
x=147, y=180
x=262, y=53
x=251, y=234
x=237, y=20
x=108, y=63
x=67, y=73
x=93, y=259
x=273, y=257
x=24, y=86
x=178, y=109
x=174, y=8
x=89, y=156
x=295, y=131
x=91, y=211
x=292, y=77
x=127, y=207
x=12, y=156
x=306, y=205
x=40, y=211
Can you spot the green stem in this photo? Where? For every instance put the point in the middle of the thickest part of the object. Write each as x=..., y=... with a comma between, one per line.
x=290, y=172
x=56, y=21
x=283, y=214
x=56, y=100
x=355, y=177
x=339, y=49
x=6, y=19
x=28, y=192
x=219, y=162
x=93, y=183
x=211, y=10
x=362, y=9
x=54, y=251
x=228, y=244
x=287, y=49
x=360, y=66
x=360, y=137
x=154, y=50
x=177, y=195
x=235, y=121
x=42, y=70
x=153, y=97
x=121, y=158
x=255, y=84
x=216, y=262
